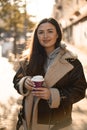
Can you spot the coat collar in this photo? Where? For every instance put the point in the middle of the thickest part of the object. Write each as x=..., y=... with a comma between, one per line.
x=58, y=68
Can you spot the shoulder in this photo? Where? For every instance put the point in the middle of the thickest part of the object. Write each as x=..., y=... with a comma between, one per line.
x=69, y=56
x=66, y=53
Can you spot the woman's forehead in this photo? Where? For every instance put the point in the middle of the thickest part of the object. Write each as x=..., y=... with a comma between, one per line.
x=46, y=25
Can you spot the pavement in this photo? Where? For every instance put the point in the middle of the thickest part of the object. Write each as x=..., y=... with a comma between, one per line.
x=6, y=78
x=8, y=96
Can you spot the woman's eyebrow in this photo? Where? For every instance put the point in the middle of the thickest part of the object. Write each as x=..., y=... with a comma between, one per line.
x=47, y=29
x=50, y=29
x=40, y=30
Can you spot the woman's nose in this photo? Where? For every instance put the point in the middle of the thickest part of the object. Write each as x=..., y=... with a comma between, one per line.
x=45, y=34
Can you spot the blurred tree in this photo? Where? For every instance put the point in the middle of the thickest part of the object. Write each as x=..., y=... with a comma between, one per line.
x=15, y=18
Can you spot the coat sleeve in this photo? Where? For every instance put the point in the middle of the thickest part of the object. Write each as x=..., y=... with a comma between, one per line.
x=18, y=82
x=76, y=86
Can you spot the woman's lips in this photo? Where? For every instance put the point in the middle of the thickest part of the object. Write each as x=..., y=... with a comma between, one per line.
x=46, y=41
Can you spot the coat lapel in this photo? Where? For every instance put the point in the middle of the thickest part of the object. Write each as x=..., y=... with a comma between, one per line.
x=58, y=69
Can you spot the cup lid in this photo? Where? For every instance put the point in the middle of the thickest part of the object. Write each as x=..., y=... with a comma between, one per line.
x=37, y=78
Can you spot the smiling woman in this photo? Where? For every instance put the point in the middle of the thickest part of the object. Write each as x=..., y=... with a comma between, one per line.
x=49, y=106
x=40, y=9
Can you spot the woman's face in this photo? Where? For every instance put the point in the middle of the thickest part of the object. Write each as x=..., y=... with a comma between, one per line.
x=47, y=36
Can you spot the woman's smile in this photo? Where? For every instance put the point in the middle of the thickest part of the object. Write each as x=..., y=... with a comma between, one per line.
x=47, y=36
x=46, y=41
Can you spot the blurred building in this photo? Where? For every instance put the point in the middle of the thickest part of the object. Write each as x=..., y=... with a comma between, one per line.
x=72, y=15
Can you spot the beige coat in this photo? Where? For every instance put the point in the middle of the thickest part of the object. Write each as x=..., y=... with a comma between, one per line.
x=58, y=68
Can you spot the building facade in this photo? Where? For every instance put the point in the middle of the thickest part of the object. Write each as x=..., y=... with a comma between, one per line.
x=72, y=15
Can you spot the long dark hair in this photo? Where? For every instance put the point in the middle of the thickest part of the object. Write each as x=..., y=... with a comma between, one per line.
x=38, y=55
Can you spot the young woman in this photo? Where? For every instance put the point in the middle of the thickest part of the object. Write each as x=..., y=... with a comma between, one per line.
x=50, y=106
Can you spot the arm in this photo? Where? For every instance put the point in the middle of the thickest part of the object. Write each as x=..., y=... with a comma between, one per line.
x=78, y=83
x=71, y=88
x=19, y=80
x=74, y=91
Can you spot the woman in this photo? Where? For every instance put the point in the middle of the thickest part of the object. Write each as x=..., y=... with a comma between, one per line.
x=50, y=106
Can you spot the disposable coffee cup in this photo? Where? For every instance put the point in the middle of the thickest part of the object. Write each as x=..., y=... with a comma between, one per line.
x=38, y=80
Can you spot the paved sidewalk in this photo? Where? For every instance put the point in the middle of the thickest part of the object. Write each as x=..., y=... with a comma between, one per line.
x=8, y=96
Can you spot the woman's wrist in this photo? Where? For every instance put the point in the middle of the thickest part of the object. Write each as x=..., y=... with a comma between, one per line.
x=24, y=86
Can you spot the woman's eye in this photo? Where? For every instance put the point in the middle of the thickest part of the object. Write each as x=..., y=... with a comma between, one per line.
x=40, y=32
x=50, y=31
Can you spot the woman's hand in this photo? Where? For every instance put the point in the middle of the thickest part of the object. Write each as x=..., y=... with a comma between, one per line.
x=29, y=84
x=42, y=92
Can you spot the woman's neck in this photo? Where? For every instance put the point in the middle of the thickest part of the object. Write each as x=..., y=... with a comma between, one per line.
x=49, y=50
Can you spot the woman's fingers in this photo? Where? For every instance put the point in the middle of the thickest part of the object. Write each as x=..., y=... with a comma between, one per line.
x=43, y=93
x=29, y=84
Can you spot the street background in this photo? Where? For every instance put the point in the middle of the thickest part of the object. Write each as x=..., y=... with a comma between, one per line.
x=18, y=19
x=10, y=100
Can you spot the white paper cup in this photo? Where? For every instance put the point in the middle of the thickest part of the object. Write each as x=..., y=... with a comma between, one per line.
x=38, y=80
